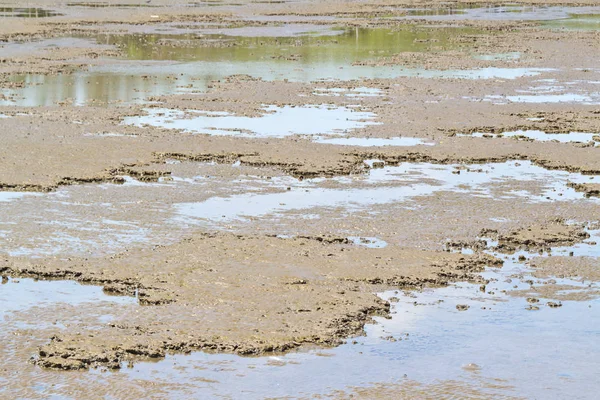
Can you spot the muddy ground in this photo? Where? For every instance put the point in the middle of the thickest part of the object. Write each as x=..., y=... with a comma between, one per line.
x=212, y=166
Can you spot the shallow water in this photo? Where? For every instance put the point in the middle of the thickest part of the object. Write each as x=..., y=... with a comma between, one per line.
x=548, y=353
x=498, y=56
x=589, y=99
x=20, y=49
x=108, y=218
x=541, y=136
x=21, y=294
x=355, y=92
x=341, y=46
x=128, y=82
x=577, y=22
x=427, y=340
x=153, y=65
x=392, y=184
x=8, y=196
x=276, y=122
x=16, y=12
x=552, y=16
x=374, y=142
x=99, y=4
x=368, y=241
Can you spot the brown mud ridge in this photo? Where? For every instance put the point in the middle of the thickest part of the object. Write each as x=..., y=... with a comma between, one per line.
x=584, y=268
x=540, y=237
x=533, y=238
x=548, y=122
x=62, y=143
x=247, y=295
x=303, y=165
x=589, y=189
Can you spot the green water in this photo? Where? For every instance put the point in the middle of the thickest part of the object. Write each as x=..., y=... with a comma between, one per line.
x=13, y=12
x=153, y=67
x=209, y=3
x=576, y=22
x=347, y=45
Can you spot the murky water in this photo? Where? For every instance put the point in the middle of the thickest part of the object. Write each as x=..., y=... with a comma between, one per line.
x=553, y=16
x=100, y=4
x=369, y=241
x=341, y=46
x=135, y=83
x=499, y=56
x=577, y=22
x=17, y=12
x=165, y=64
x=428, y=339
x=145, y=3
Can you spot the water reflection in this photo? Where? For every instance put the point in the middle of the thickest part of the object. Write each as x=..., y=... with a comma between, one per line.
x=166, y=64
x=15, y=12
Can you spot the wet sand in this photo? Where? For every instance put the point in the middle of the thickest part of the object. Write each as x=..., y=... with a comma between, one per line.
x=272, y=187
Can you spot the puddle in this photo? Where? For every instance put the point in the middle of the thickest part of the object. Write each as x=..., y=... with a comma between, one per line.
x=8, y=196
x=556, y=98
x=277, y=122
x=364, y=241
x=21, y=294
x=403, y=183
x=374, y=142
x=428, y=340
x=108, y=218
x=550, y=15
x=370, y=242
x=355, y=92
x=146, y=3
x=154, y=66
x=589, y=99
x=577, y=22
x=87, y=4
x=551, y=91
x=498, y=56
x=541, y=136
x=341, y=46
x=14, y=12
x=136, y=82
x=19, y=49
x=284, y=30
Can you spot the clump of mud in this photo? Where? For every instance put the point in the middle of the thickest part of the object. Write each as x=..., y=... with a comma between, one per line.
x=203, y=293
x=539, y=237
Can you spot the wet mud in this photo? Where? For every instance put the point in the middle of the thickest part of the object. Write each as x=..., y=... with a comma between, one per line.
x=349, y=199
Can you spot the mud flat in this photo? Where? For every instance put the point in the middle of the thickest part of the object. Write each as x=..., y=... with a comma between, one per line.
x=299, y=199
